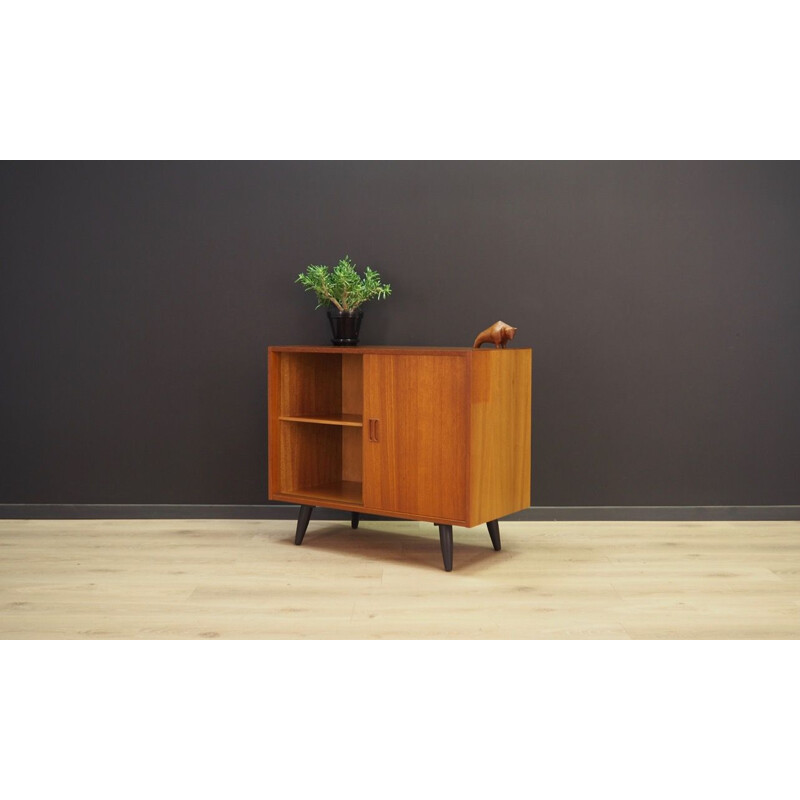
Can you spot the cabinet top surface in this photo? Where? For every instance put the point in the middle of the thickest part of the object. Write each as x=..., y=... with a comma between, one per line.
x=388, y=349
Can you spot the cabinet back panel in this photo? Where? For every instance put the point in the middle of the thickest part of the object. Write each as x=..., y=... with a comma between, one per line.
x=311, y=455
x=311, y=383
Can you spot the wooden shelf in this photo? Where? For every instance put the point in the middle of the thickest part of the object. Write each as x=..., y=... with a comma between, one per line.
x=348, y=420
x=338, y=491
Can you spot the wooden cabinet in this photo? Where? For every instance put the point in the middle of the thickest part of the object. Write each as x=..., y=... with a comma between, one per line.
x=437, y=434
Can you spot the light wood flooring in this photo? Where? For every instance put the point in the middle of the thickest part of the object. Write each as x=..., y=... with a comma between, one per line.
x=245, y=579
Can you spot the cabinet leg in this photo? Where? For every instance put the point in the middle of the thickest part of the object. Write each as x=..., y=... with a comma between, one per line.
x=354, y=519
x=494, y=533
x=446, y=540
x=302, y=523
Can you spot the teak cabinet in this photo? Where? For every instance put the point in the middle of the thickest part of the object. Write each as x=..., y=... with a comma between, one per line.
x=435, y=434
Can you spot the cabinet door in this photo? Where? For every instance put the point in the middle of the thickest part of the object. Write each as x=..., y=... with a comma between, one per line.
x=416, y=435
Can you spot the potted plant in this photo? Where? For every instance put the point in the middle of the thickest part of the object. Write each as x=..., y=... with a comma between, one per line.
x=343, y=291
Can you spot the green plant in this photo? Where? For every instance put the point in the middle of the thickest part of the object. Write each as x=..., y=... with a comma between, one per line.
x=343, y=287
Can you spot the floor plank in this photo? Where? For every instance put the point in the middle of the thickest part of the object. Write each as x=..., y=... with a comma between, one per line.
x=245, y=579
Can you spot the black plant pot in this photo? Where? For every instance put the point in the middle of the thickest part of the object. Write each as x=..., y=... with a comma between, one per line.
x=345, y=326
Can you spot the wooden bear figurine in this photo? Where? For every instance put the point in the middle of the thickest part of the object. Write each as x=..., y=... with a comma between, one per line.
x=499, y=333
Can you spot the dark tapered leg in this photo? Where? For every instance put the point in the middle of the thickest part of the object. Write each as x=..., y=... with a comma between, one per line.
x=494, y=532
x=354, y=519
x=302, y=523
x=446, y=540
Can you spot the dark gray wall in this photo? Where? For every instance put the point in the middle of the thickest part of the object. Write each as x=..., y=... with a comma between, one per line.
x=662, y=302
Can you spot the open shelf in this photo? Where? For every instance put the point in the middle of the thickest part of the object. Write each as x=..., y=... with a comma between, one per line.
x=337, y=491
x=317, y=411
x=351, y=420
x=320, y=387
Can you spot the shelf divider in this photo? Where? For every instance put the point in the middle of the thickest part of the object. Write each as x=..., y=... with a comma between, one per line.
x=345, y=420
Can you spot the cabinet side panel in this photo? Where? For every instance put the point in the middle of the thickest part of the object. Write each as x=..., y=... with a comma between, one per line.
x=352, y=454
x=352, y=403
x=500, y=464
x=352, y=385
x=273, y=409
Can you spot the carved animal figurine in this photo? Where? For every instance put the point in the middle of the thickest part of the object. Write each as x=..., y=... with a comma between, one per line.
x=499, y=333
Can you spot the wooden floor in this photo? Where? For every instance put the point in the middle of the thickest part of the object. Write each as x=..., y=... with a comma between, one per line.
x=245, y=579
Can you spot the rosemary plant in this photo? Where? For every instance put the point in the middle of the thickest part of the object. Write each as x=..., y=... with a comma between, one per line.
x=342, y=286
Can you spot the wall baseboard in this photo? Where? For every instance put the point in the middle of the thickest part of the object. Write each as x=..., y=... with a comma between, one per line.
x=287, y=511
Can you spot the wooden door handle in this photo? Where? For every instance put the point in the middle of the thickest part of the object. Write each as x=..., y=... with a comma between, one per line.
x=373, y=430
